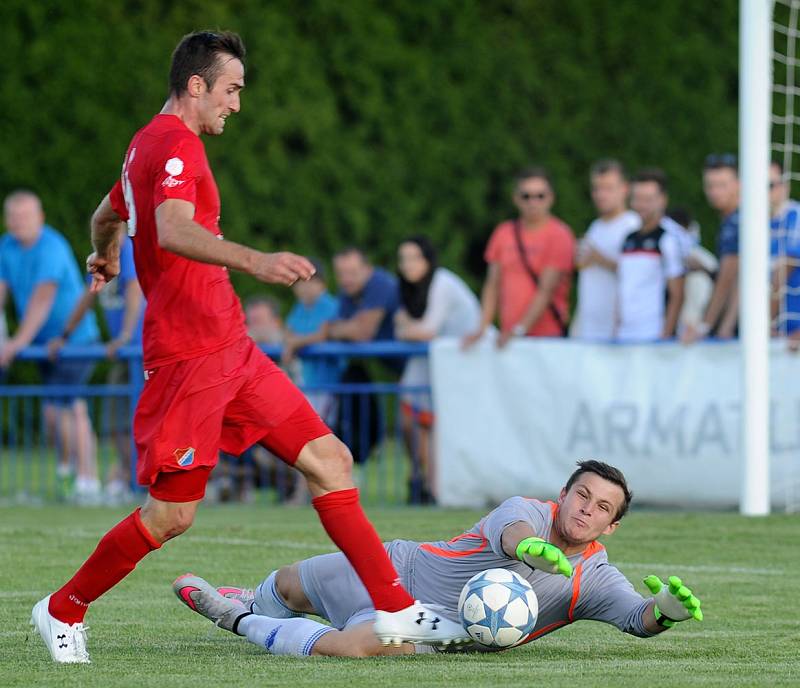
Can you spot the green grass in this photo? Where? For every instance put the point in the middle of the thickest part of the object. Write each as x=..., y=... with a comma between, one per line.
x=141, y=636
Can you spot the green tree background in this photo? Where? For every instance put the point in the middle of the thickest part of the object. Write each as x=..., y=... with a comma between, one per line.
x=365, y=121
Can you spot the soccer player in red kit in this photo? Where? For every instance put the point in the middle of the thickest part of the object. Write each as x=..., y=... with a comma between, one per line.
x=207, y=387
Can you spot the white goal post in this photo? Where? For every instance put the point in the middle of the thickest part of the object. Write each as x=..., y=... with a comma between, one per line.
x=755, y=110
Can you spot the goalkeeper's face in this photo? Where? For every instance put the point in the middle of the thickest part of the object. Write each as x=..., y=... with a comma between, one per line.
x=589, y=509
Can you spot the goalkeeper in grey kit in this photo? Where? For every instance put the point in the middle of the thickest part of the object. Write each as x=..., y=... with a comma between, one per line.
x=551, y=544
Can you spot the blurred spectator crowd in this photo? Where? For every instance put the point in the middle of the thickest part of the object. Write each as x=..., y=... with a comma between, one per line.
x=642, y=276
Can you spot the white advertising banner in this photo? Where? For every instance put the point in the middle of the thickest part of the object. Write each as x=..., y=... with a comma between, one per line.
x=515, y=421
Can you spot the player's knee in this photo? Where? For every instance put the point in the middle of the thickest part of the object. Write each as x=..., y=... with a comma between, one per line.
x=328, y=464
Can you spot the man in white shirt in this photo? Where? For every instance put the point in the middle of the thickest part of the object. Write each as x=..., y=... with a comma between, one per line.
x=650, y=265
x=599, y=252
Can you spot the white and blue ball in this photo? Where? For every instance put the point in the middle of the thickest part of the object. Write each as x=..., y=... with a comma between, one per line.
x=498, y=608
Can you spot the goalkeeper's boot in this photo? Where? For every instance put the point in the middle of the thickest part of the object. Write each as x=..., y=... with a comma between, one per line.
x=419, y=623
x=202, y=597
x=245, y=595
x=66, y=642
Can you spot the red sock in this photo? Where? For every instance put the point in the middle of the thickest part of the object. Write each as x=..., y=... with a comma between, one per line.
x=347, y=525
x=115, y=557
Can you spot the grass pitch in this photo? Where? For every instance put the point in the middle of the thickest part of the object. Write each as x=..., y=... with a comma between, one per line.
x=742, y=569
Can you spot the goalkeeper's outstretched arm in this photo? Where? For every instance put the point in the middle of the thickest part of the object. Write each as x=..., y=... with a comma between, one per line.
x=671, y=604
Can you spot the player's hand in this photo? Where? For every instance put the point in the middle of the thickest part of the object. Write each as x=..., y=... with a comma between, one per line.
x=102, y=270
x=54, y=346
x=543, y=556
x=674, y=602
x=282, y=268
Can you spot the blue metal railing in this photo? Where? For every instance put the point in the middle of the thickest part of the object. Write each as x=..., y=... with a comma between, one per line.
x=35, y=467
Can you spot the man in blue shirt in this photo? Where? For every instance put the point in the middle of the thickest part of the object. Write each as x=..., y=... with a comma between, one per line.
x=123, y=305
x=38, y=267
x=368, y=300
x=784, y=255
x=721, y=185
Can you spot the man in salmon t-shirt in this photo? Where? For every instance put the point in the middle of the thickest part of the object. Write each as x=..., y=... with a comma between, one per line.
x=530, y=266
x=207, y=387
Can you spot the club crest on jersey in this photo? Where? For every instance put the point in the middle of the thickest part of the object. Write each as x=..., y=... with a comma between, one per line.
x=184, y=457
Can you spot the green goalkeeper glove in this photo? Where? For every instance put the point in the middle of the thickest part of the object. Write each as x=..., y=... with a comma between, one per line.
x=674, y=602
x=542, y=556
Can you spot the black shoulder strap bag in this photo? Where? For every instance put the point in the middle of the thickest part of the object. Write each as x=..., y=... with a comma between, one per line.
x=524, y=258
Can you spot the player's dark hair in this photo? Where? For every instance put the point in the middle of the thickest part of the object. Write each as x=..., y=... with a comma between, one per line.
x=534, y=172
x=607, y=165
x=652, y=174
x=721, y=161
x=613, y=475
x=198, y=53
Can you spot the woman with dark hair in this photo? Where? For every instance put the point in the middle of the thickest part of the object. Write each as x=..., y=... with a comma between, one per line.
x=434, y=302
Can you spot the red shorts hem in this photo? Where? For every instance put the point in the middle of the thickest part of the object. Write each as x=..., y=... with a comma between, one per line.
x=181, y=486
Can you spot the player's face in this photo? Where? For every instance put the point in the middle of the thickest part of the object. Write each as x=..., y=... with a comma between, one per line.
x=648, y=200
x=217, y=104
x=722, y=189
x=533, y=199
x=24, y=218
x=352, y=273
x=609, y=192
x=589, y=509
x=411, y=262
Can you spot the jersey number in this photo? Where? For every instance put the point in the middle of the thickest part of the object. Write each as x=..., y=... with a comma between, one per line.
x=127, y=192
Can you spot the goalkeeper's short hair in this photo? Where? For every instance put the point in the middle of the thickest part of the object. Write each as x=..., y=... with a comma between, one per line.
x=607, y=472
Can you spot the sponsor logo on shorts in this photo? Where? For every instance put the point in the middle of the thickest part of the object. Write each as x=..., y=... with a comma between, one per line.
x=184, y=457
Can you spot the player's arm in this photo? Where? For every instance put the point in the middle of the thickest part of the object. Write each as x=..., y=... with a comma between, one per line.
x=36, y=313
x=489, y=295
x=726, y=280
x=671, y=604
x=180, y=234
x=519, y=541
x=107, y=229
x=362, y=327
x=674, y=303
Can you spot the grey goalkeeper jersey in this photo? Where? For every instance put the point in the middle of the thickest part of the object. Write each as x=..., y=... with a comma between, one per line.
x=436, y=572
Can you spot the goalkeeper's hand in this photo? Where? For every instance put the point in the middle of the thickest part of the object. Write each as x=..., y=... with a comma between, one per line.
x=674, y=602
x=542, y=556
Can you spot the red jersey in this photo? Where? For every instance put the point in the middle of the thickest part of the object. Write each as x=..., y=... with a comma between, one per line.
x=192, y=309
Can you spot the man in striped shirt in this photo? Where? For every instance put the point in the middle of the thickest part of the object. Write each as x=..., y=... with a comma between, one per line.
x=551, y=544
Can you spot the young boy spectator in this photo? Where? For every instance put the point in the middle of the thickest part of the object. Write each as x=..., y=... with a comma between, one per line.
x=650, y=265
x=598, y=253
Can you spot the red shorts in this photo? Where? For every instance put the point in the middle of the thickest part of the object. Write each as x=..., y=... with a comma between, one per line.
x=228, y=400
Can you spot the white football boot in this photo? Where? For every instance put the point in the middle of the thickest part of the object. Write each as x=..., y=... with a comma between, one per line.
x=419, y=623
x=245, y=595
x=66, y=642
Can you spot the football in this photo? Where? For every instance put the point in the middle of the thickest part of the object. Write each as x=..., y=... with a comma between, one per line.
x=498, y=608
